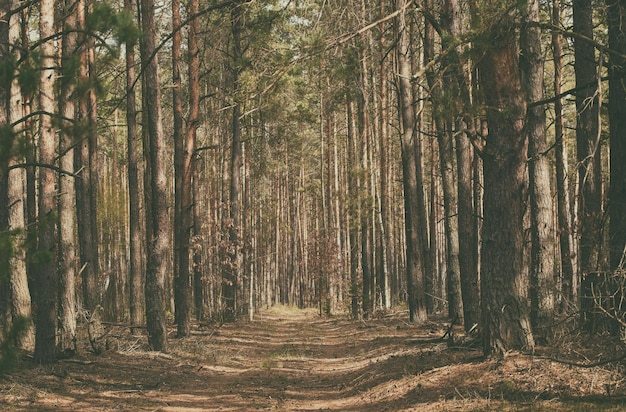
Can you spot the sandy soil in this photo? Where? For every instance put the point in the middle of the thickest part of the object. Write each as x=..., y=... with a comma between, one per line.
x=295, y=360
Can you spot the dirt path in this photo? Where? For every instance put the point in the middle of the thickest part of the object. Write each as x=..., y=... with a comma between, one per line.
x=295, y=360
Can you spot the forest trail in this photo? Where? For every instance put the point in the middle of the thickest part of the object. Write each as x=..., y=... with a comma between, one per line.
x=290, y=359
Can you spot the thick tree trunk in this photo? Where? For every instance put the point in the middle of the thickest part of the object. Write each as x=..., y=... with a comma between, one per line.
x=542, y=270
x=46, y=275
x=616, y=13
x=588, y=153
x=5, y=156
x=157, y=219
x=505, y=318
x=414, y=251
x=19, y=289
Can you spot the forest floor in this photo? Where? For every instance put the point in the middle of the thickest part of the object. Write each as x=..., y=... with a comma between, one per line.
x=290, y=359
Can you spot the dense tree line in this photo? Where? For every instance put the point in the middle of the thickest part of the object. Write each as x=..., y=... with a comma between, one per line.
x=198, y=162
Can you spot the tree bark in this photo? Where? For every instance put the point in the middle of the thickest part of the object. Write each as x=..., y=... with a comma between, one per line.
x=183, y=191
x=505, y=318
x=13, y=272
x=232, y=266
x=188, y=200
x=445, y=139
x=68, y=259
x=385, y=173
x=588, y=154
x=542, y=270
x=566, y=244
x=352, y=211
x=136, y=228
x=20, y=291
x=414, y=251
x=616, y=13
x=157, y=219
x=85, y=183
x=46, y=271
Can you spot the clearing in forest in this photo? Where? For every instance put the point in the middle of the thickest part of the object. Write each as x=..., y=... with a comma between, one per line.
x=290, y=359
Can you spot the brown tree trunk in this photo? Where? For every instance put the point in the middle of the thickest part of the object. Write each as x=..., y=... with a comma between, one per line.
x=19, y=289
x=183, y=191
x=457, y=84
x=156, y=196
x=46, y=271
x=232, y=266
x=505, y=319
x=588, y=153
x=616, y=13
x=189, y=206
x=385, y=174
x=414, y=251
x=445, y=140
x=5, y=156
x=352, y=215
x=68, y=259
x=31, y=156
x=542, y=269
x=85, y=183
x=569, y=284
x=137, y=233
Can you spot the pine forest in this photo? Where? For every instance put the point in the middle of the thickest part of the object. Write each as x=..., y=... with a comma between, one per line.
x=312, y=204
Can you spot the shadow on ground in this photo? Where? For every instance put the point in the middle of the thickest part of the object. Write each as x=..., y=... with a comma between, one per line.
x=294, y=360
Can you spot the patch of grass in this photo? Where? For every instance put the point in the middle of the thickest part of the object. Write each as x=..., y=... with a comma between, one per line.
x=270, y=364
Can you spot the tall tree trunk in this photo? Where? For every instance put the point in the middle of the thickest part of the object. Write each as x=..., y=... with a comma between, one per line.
x=156, y=196
x=68, y=258
x=137, y=233
x=385, y=235
x=189, y=206
x=6, y=141
x=414, y=251
x=445, y=140
x=588, y=154
x=85, y=183
x=569, y=284
x=352, y=215
x=234, y=255
x=46, y=275
x=467, y=237
x=19, y=289
x=366, y=248
x=31, y=158
x=542, y=273
x=505, y=318
x=182, y=199
x=616, y=13
x=457, y=85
